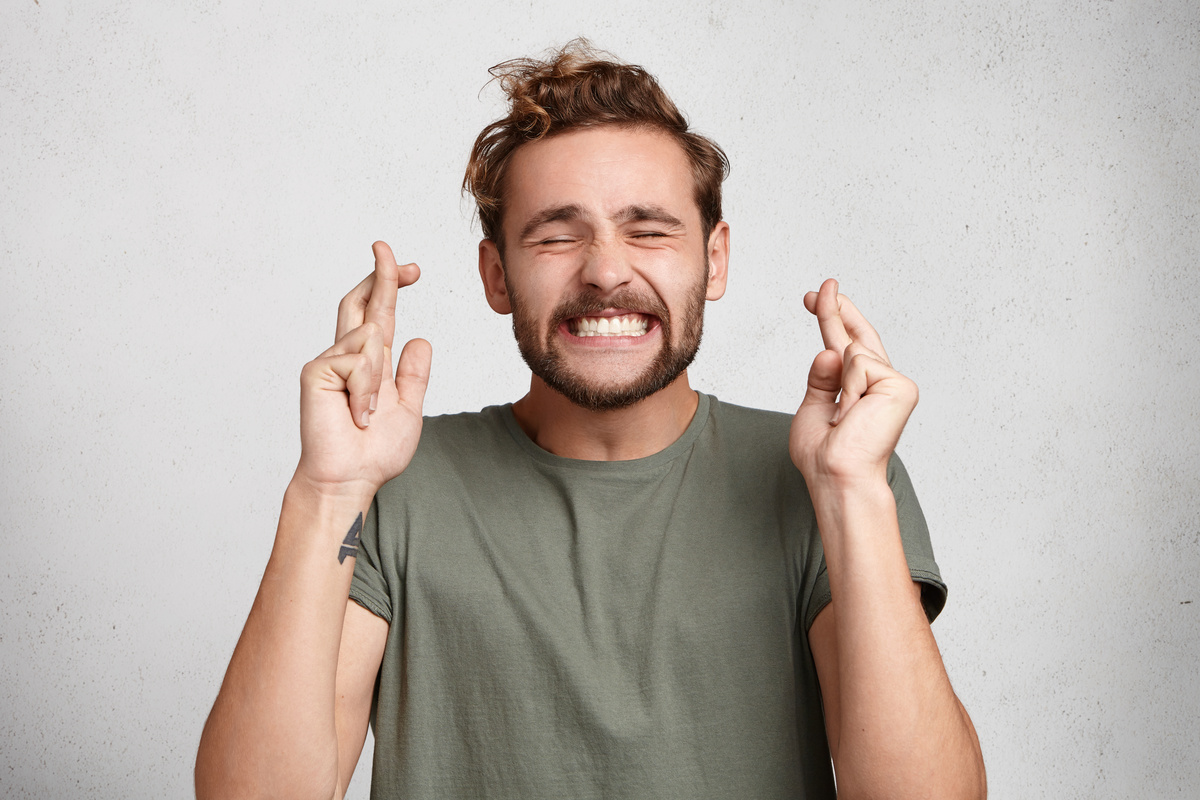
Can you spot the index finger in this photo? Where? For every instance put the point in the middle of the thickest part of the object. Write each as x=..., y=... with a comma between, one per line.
x=859, y=329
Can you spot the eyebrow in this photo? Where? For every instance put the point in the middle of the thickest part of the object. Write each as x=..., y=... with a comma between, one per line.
x=566, y=213
x=647, y=214
x=571, y=212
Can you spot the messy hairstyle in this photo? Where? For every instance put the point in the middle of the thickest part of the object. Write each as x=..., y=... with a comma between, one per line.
x=580, y=87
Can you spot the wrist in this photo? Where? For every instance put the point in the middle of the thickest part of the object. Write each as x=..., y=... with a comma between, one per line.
x=842, y=505
x=314, y=521
x=843, y=486
x=305, y=488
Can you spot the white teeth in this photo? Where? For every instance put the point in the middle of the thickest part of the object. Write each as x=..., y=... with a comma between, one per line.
x=628, y=325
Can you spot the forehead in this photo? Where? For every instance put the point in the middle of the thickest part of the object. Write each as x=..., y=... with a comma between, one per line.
x=602, y=170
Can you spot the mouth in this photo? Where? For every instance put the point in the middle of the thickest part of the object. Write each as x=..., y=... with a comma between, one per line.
x=610, y=325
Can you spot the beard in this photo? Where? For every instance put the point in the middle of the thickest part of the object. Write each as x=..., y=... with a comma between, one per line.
x=546, y=359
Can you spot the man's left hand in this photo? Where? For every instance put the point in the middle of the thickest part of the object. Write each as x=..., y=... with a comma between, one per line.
x=848, y=440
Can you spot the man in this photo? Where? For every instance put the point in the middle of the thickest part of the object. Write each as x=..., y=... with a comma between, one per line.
x=614, y=587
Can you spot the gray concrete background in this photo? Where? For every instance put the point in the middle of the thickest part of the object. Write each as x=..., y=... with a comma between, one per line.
x=1011, y=191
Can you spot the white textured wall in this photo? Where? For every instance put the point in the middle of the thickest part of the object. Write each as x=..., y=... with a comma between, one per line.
x=1010, y=190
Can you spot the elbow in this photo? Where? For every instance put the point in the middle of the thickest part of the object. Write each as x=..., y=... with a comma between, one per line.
x=234, y=764
x=974, y=771
x=954, y=774
x=224, y=772
x=214, y=775
x=969, y=787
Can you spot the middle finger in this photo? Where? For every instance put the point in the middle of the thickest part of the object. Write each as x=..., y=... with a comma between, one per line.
x=381, y=305
x=859, y=329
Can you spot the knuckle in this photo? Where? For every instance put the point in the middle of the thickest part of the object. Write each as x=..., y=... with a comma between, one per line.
x=309, y=371
x=351, y=302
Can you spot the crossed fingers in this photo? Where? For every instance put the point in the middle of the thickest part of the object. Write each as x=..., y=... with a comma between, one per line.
x=842, y=323
x=366, y=329
x=366, y=303
x=865, y=367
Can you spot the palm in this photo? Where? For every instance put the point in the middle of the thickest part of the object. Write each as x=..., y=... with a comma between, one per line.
x=859, y=444
x=336, y=450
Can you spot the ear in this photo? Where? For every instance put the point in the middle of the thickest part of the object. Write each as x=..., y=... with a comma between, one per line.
x=718, y=260
x=491, y=271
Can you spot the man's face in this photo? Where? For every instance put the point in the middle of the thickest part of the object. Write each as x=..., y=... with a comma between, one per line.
x=606, y=269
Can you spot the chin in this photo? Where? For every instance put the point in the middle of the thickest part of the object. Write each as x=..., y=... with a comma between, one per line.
x=611, y=395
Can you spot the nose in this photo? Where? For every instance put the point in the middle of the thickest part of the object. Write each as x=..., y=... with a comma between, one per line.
x=606, y=266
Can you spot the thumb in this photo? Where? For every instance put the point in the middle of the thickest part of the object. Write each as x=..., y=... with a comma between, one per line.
x=824, y=379
x=412, y=374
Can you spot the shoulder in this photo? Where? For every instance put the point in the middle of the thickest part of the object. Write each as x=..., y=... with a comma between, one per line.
x=455, y=448
x=752, y=423
x=455, y=431
x=752, y=432
x=762, y=435
x=750, y=445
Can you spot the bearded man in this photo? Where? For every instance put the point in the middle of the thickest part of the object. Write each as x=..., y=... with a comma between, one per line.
x=614, y=586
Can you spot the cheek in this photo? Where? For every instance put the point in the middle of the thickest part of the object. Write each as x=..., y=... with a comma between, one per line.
x=533, y=306
x=679, y=284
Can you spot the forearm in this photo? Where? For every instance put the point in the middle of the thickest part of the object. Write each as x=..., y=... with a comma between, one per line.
x=900, y=730
x=272, y=729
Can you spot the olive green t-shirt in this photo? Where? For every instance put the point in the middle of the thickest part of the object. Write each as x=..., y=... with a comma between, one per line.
x=588, y=629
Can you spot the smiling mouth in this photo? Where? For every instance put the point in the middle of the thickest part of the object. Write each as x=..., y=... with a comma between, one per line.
x=624, y=325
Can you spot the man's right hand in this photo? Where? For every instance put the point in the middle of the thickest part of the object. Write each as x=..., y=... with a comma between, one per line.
x=358, y=427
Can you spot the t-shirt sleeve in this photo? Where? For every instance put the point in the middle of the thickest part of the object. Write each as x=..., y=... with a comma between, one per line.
x=918, y=551
x=369, y=587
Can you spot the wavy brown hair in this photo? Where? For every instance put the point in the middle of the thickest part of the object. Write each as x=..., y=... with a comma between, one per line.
x=578, y=86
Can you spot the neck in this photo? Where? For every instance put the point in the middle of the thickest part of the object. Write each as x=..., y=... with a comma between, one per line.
x=559, y=426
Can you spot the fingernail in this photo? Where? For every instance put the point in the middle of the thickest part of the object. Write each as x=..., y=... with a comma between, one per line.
x=374, y=398
x=366, y=418
x=837, y=412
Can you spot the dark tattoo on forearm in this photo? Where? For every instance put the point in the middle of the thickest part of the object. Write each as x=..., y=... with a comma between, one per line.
x=350, y=543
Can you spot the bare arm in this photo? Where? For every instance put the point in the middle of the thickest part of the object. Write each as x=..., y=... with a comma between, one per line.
x=272, y=730
x=364, y=636
x=896, y=729
x=289, y=719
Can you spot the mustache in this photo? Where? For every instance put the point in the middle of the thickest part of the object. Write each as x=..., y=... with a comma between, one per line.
x=587, y=303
